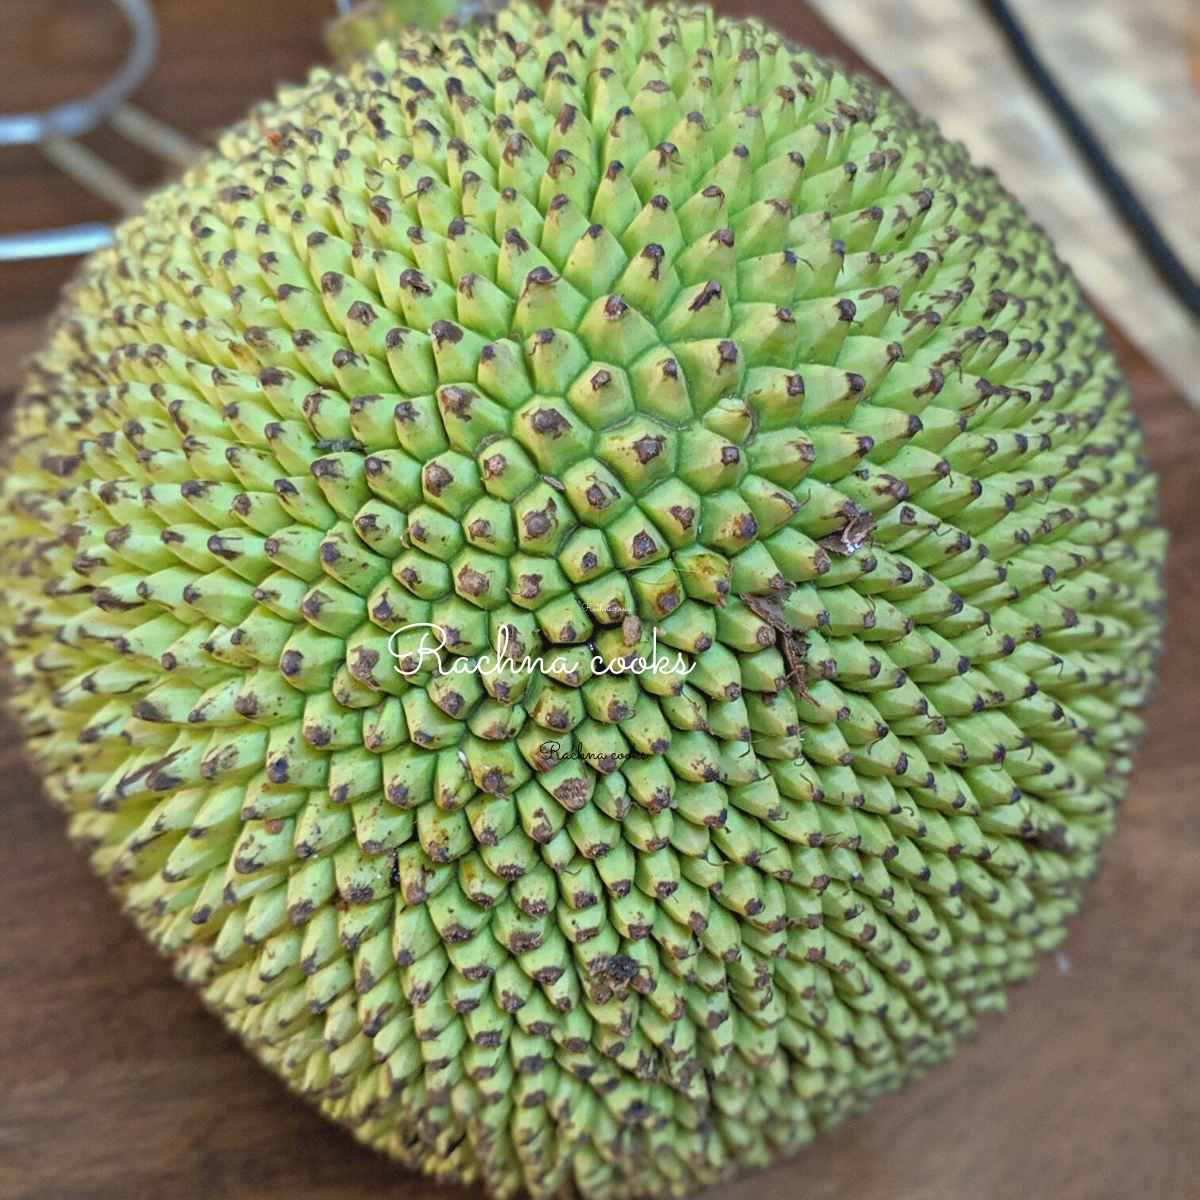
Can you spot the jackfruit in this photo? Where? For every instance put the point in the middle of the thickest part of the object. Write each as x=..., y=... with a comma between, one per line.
x=587, y=578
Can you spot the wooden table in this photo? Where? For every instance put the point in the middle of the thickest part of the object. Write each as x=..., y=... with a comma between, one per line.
x=116, y=1084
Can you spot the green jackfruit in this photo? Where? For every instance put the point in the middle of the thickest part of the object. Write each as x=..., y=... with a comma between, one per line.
x=587, y=581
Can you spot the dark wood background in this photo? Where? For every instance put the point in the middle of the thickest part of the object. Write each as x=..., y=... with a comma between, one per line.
x=114, y=1083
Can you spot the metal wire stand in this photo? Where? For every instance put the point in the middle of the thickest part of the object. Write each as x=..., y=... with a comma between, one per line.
x=56, y=132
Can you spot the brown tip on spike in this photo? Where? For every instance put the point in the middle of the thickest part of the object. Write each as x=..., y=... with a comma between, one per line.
x=445, y=331
x=711, y=291
x=415, y=282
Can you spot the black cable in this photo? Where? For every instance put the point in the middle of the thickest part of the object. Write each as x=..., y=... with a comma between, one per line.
x=1124, y=199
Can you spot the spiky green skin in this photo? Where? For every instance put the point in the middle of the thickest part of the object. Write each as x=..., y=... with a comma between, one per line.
x=865, y=461
x=370, y=21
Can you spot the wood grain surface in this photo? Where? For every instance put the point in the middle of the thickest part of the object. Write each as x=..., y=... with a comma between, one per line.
x=116, y=1084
